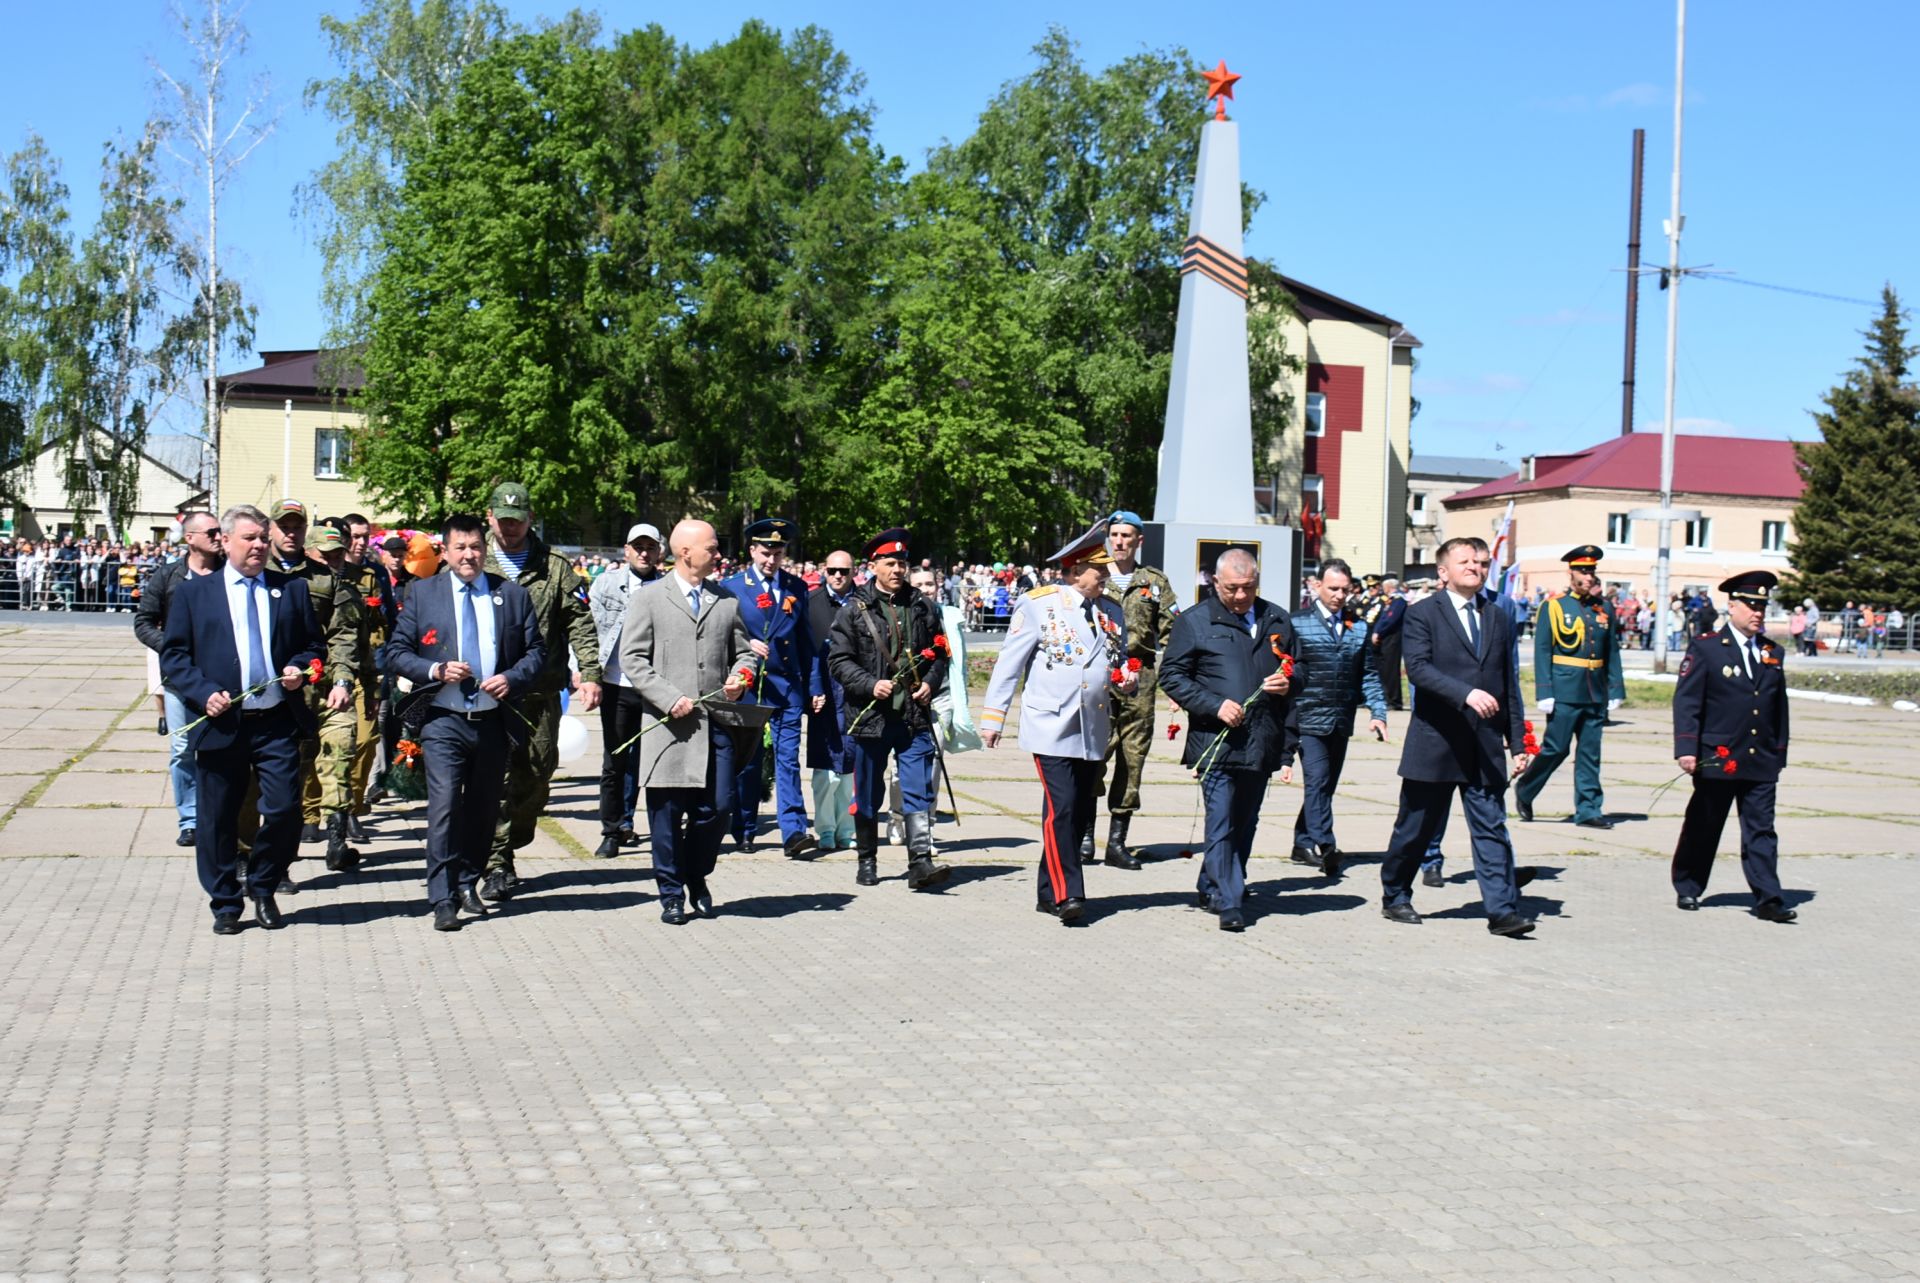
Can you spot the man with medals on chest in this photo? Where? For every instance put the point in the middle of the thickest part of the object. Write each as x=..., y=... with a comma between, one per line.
x=1069, y=642
x=1730, y=734
x=1146, y=600
x=1576, y=676
x=773, y=607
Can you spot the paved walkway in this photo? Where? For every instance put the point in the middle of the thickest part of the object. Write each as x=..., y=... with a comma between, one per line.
x=840, y=1083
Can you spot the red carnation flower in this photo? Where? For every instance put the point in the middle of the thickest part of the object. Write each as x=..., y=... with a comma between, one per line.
x=430, y=637
x=744, y=672
x=941, y=644
x=929, y=654
x=763, y=601
x=373, y=603
x=1723, y=752
x=1133, y=665
x=314, y=671
x=853, y=808
x=1528, y=726
x=1117, y=675
x=1173, y=729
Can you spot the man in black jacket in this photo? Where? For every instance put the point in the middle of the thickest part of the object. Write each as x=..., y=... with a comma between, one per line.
x=201, y=531
x=1466, y=719
x=1228, y=665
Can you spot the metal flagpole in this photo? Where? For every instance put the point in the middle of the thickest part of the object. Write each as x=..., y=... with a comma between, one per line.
x=1662, y=571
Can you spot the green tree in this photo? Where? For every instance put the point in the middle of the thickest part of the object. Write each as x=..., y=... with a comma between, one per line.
x=36, y=284
x=1855, y=528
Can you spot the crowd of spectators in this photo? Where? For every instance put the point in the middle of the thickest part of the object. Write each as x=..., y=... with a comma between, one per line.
x=75, y=574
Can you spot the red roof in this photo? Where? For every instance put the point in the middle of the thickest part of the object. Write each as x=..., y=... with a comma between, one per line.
x=299, y=372
x=1745, y=467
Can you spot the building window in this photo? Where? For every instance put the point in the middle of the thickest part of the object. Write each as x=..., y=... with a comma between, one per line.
x=1620, y=530
x=1773, y=536
x=1419, y=501
x=1310, y=488
x=1316, y=414
x=332, y=452
x=1699, y=535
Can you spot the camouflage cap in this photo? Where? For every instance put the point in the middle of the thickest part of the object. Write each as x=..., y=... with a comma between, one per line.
x=325, y=538
x=510, y=500
x=288, y=508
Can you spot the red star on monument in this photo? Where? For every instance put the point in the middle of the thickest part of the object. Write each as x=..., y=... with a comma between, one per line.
x=1220, y=84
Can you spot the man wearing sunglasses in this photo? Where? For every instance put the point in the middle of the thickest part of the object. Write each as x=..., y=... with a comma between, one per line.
x=829, y=752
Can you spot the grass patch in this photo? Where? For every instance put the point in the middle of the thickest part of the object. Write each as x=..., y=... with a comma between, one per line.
x=573, y=847
x=33, y=795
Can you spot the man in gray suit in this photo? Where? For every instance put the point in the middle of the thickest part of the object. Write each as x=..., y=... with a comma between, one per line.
x=682, y=647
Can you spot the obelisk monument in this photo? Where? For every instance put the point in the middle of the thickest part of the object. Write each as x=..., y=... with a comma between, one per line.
x=1204, y=503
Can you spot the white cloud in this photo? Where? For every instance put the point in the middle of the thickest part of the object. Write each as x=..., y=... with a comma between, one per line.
x=1639, y=94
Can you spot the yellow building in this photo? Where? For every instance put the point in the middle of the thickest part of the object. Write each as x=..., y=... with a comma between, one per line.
x=285, y=433
x=1344, y=460
x=1745, y=490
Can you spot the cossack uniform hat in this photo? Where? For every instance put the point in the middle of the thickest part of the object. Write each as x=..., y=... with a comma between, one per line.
x=888, y=543
x=1754, y=587
x=1585, y=557
x=1090, y=549
x=773, y=532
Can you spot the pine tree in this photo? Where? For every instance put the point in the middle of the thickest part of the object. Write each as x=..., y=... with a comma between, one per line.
x=1857, y=526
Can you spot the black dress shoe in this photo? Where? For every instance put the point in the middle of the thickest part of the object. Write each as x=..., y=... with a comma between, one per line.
x=187, y=838
x=1401, y=913
x=1330, y=862
x=1232, y=920
x=801, y=845
x=226, y=924
x=1524, y=874
x=312, y=833
x=1510, y=924
x=286, y=887
x=1201, y=900
x=868, y=874
x=672, y=911
x=629, y=838
x=446, y=916
x=1773, y=911
x=700, y=901
x=1070, y=910
x=470, y=901
x=744, y=844
x=267, y=913
x=1691, y=903
x=1086, y=847
x=495, y=886
x=1431, y=877
x=1306, y=855
x=1597, y=822
x=1523, y=806
x=608, y=848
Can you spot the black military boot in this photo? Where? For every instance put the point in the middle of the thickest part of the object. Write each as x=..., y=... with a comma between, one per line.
x=341, y=858
x=1086, y=846
x=922, y=872
x=1117, y=853
x=866, y=846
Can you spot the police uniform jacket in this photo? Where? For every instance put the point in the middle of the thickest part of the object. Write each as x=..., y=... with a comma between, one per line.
x=1727, y=718
x=1066, y=660
x=1576, y=652
x=786, y=680
x=1212, y=658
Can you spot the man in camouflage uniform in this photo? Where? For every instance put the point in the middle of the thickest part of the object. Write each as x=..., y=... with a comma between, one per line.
x=325, y=794
x=1146, y=599
x=560, y=608
x=375, y=588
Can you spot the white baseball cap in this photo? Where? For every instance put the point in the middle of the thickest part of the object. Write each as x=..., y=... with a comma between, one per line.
x=644, y=531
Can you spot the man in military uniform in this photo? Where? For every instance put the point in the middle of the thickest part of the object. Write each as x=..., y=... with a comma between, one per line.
x=560, y=610
x=1576, y=675
x=1730, y=734
x=326, y=790
x=378, y=605
x=287, y=538
x=773, y=606
x=1068, y=650
x=1148, y=605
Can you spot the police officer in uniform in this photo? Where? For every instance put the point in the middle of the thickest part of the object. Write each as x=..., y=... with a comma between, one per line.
x=1148, y=605
x=773, y=606
x=1067, y=647
x=1576, y=676
x=560, y=608
x=1730, y=734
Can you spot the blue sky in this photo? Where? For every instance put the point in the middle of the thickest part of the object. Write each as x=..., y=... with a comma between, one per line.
x=1462, y=168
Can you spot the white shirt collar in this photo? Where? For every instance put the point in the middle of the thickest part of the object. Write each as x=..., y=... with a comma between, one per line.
x=1461, y=603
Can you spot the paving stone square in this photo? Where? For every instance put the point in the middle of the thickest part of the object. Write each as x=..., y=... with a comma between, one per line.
x=832, y=1082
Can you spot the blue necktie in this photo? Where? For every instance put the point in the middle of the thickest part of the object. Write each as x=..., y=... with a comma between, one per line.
x=693, y=600
x=470, y=645
x=256, y=645
x=1473, y=627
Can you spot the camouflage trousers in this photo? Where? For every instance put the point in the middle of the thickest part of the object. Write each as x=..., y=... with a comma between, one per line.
x=1128, y=744
x=366, y=747
x=326, y=783
x=530, y=768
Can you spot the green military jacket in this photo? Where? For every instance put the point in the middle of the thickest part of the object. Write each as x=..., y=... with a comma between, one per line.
x=337, y=606
x=1149, y=606
x=1576, y=651
x=560, y=608
x=373, y=620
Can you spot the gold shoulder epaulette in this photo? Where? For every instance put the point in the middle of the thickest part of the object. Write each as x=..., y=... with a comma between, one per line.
x=1043, y=590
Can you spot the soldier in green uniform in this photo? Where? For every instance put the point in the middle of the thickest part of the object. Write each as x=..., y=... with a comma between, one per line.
x=560, y=608
x=1146, y=599
x=326, y=791
x=375, y=588
x=1576, y=675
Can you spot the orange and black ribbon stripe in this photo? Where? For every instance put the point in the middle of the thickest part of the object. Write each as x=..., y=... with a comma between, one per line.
x=1203, y=256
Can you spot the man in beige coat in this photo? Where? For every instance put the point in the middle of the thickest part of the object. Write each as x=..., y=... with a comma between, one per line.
x=683, y=647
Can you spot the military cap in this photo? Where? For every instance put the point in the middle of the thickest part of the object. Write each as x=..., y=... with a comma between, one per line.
x=1090, y=549
x=395, y=546
x=1586, y=556
x=1371, y=581
x=888, y=543
x=1754, y=587
x=510, y=500
x=1126, y=517
x=288, y=508
x=324, y=538
x=772, y=532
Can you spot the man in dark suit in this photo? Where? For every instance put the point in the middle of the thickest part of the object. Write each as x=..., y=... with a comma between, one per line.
x=476, y=635
x=1466, y=719
x=238, y=647
x=1730, y=734
x=1227, y=665
x=829, y=751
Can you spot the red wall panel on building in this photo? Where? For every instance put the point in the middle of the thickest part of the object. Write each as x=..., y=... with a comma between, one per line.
x=1345, y=387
